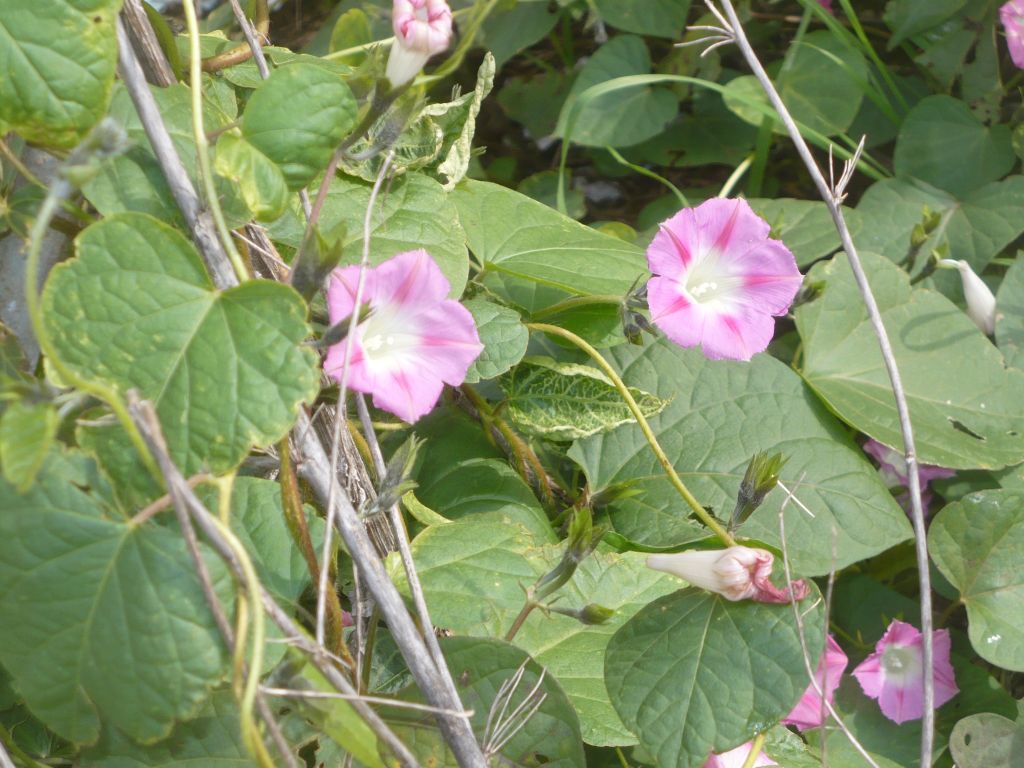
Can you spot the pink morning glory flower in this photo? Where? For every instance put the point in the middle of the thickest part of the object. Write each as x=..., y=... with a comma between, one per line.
x=719, y=280
x=422, y=28
x=736, y=573
x=737, y=758
x=893, y=469
x=1012, y=16
x=414, y=339
x=893, y=673
x=808, y=712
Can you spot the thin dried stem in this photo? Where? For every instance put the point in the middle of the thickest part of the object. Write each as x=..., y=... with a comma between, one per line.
x=252, y=38
x=500, y=729
x=165, y=501
x=339, y=415
x=198, y=220
x=289, y=693
x=145, y=417
x=208, y=523
x=402, y=540
x=803, y=640
x=5, y=759
x=828, y=194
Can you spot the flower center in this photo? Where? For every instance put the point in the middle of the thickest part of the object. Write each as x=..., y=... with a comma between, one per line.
x=708, y=286
x=387, y=336
x=901, y=663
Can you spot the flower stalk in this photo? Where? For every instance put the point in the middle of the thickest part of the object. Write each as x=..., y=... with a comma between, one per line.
x=702, y=514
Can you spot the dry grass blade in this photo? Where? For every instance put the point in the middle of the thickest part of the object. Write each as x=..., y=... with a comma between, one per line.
x=500, y=727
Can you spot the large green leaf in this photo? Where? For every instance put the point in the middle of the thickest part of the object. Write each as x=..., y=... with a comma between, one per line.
x=225, y=370
x=1010, y=315
x=976, y=543
x=907, y=18
x=512, y=234
x=722, y=414
x=480, y=667
x=257, y=518
x=415, y=213
x=823, y=82
x=134, y=180
x=625, y=117
x=297, y=117
x=58, y=59
x=566, y=401
x=474, y=571
x=987, y=741
x=970, y=420
x=693, y=673
x=504, y=338
x=942, y=143
x=977, y=227
x=26, y=434
x=805, y=226
x=104, y=621
x=211, y=740
x=660, y=18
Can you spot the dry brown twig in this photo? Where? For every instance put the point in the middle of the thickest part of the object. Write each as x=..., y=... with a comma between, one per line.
x=833, y=195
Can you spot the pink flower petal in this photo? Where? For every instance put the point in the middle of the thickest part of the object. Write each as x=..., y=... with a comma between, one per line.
x=808, y=711
x=1012, y=16
x=892, y=674
x=413, y=340
x=719, y=280
x=737, y=758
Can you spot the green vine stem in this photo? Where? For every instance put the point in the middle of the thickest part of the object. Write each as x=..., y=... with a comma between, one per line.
x=203, y=144
x=755, y=750
x=58, y=192
x=670, y=471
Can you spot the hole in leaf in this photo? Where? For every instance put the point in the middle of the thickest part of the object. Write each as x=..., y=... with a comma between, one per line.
x=959, y=426
x=967, y=739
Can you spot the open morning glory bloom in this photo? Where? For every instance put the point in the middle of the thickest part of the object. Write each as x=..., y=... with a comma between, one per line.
x=736, y=573
x=737, y=758
x=1012, y=16
x=808, y=712
x=893, y=469
x=414, y=339
x=892, y=674
x=719, y=280
x=422, y=28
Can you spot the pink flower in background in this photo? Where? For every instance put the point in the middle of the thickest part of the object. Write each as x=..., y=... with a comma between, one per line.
x=737, y=758
x=719, y=279
x=736, y=573
x=808, y=711
x=414, y=339
x=827, y=5
x=1012, y=16
x=893, y=673
x=893, y=469
x=422, y=28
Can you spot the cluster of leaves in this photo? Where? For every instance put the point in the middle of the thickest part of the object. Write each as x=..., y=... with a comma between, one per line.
x=109, y=654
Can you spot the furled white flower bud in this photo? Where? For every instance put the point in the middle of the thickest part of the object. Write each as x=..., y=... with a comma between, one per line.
x=981, y=303
x=422, y=29
x=736, y=573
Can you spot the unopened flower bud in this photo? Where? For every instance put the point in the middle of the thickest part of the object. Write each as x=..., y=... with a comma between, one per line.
x=590, y=614
x=981, y=303
x=736, y=573
x=761, y=477
x=422, y=29
x=583, y=539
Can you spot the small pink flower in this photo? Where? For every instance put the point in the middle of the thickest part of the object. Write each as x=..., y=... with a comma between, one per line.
x=827, y=5
x=414, y=339
x=893, y=674
x=736, y=573
x=737, y=758
x=893, y=469
x=808, y=711
x=1012, y=16
x=719, y=279
x=422, y=28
